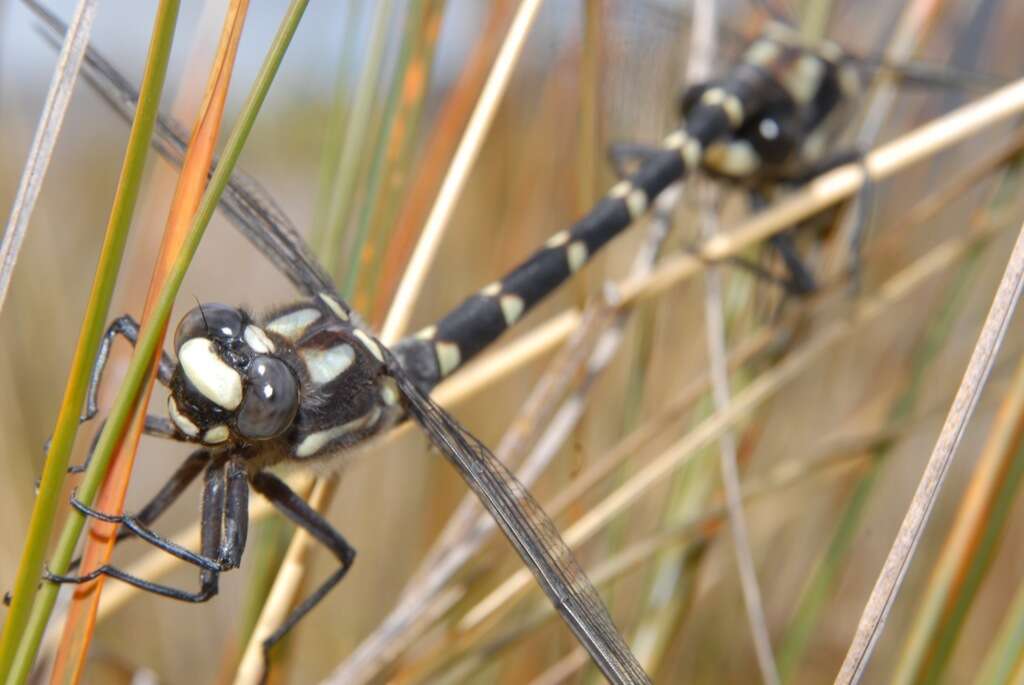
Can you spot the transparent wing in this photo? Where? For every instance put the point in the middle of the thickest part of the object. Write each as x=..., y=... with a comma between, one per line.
x=531, y=532
x=247, y=203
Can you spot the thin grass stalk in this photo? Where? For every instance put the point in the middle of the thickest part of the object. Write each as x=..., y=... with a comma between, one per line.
x=915, y=24
x=592, y=347
x=721, y=392
x=71, y=655
x=377, y=167
x=251, y=668
x=337, y=122
x=58, y=455
x=766, y=385
x=970, y=547
x=1006, y=654
x=894, y=569
x=697, y=531
x=465, y=156
x=65, y=74
x=412, y=91
x=354, y=143
x=441, y=142
x=692, y=486
x=817, y=590
x=833, y=187
x=149, y=340
x=534, y=344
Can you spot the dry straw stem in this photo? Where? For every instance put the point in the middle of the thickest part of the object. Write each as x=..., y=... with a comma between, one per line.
x=902, y=152
x=476, y=132
x=837, y=185
x=70, y=660
x=766, y=385
x=714, y=312
x=833, y=458
x=540, y=422
x=286, y=586
x=971, y=545
x=282, y=595
x=893, y=571
x=57, y=99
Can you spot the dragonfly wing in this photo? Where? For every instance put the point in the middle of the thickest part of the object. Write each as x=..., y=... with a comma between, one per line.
x=532, y=533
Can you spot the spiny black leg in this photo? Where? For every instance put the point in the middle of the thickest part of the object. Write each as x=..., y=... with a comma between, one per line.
x=865, y=201
x=129, y=328
x=625, y=158
x=171, y=490
x=864, y=209
x=800, y=281
x=157, y=426
x=300, y=513
x=211, y=521
x=137, y=528
x=823, y=166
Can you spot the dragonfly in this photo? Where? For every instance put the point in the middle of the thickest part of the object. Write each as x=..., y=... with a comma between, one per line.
x=307, y=381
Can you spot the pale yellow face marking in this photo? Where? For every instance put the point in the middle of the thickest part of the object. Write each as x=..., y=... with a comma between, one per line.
x=216, y=435
x=576, y=255
x=491, y=289
x=427, y=333
x=258, y=340
x=558, y=239
x=314, y=442
x=370, y=344
x=512, y=307
x=448, y=357
x=334, y=306
x=326, y=365
x=210, y=375
x=183, y=423
x=293, y=324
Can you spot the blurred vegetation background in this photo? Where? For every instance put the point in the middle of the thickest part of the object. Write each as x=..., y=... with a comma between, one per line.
x=881, y=394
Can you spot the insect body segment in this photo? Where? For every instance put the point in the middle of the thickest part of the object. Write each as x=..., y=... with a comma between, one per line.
x=757, y=124
x=307, y=380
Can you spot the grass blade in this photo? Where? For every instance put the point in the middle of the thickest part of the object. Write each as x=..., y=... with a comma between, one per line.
x=78, y=629
x=14, y=635
x=150, y=335
x=57, y=100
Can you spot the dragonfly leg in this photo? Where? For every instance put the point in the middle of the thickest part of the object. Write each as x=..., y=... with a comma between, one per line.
x=211, y=526
x=223, y=525
x=304, y=516
x=127, y=327
x=157, y=426
x=165, y=496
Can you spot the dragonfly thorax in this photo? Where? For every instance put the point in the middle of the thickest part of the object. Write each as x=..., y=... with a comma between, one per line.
x=232, y=382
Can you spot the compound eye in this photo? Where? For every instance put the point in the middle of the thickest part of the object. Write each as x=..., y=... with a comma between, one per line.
x=270, y=402
x=208, y=321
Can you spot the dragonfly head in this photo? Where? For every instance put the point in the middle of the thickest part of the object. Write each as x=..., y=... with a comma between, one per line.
x=229, y=383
